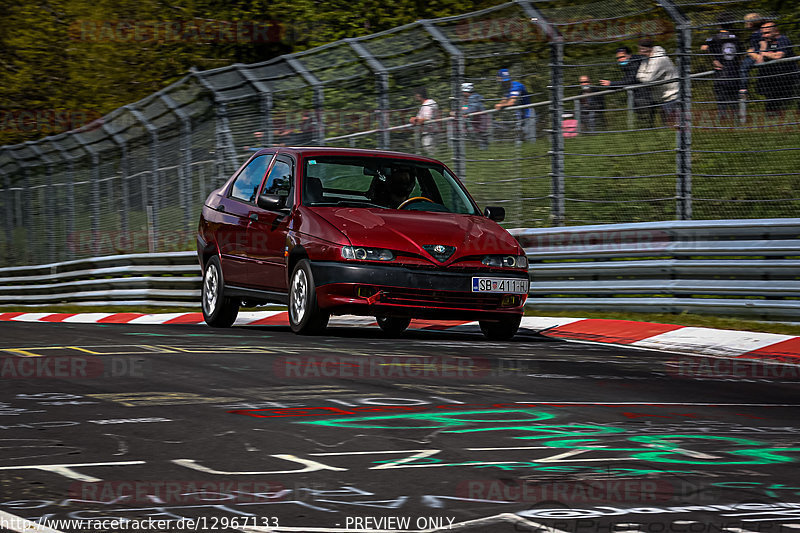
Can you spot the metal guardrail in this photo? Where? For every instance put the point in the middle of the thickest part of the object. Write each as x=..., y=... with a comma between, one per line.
x=731, y=267
x=162, y=279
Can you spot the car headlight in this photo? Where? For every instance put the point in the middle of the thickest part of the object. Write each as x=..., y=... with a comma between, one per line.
x=366, y=254
x=508, y=261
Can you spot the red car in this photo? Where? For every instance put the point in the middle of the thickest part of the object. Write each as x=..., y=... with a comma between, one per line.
x=366, y=232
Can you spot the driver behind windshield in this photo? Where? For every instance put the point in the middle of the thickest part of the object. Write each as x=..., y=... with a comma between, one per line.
x=396, y=188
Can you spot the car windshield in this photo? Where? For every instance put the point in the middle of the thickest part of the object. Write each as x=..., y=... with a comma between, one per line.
x=383, y=183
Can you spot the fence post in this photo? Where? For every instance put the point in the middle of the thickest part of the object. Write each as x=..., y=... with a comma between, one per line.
x=456, y=77
x=556, y=40
x=95, y=186
x=319, y=98
x=264, y=102
x=69, y=228
x=49, y=203
x=557, y=135
x=185, y=167
x=9, y=210
x=382, y=82
x=742, y=108
x=631, y=109
x=683, y=187
x=155, y=182
x=124, y=170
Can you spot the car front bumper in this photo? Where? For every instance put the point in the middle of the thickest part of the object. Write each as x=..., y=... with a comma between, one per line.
x=392, y=290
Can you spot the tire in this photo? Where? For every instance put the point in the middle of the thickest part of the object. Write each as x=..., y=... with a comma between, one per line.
x=218, y=310
x=501, y=330
x=393, y=326
x=305, y=316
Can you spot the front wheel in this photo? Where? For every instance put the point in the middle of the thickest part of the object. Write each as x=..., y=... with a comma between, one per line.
x=218, y=311
x=305, y=317
x=500, y=330
x=393, y=326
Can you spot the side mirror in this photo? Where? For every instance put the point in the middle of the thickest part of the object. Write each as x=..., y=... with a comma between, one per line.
x=498, y=214
x=272, y=202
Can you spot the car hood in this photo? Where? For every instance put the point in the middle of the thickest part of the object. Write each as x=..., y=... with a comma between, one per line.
x=409, y=231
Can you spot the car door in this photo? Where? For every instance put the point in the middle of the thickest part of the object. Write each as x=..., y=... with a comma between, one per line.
x=232, y=236
x=266, y=234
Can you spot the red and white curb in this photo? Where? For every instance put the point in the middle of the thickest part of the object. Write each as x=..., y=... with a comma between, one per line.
x=668, y=337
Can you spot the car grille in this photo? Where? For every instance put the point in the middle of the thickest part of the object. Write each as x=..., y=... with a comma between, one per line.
x=428, y=298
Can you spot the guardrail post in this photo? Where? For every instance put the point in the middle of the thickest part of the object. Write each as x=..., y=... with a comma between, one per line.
x=319, y=98
x=382, y=83
x=456, y=78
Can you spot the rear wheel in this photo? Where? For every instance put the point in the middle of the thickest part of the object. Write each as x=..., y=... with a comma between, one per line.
x=393, y=326
x=218, y=311
x=501, y=330
x=305, y=316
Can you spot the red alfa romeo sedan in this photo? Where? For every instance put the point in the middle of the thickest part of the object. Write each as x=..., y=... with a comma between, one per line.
x=365, y=232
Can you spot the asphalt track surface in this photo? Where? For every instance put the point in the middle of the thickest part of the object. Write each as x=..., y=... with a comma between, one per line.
x=257, y=429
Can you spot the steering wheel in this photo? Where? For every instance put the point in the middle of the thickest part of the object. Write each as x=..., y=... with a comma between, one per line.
x=415, y=199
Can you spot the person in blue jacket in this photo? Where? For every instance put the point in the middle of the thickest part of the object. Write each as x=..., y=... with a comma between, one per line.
x=514, y=93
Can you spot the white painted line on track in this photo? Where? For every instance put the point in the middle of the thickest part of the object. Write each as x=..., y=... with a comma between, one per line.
x=21, y=525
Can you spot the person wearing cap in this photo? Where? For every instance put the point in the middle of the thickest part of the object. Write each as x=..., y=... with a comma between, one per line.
x=477, y=126
x=723, y=48
x=514, y=93
x=657, y=66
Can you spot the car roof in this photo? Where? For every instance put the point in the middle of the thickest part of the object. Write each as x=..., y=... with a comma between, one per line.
x=328, y=150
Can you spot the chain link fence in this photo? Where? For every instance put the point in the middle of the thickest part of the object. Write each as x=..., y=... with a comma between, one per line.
x=582, y=126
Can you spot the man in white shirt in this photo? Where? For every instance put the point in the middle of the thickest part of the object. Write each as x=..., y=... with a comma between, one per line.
x=657, y=66
x=428, y=112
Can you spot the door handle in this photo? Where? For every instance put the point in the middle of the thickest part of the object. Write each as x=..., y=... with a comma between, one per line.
x=254, y=217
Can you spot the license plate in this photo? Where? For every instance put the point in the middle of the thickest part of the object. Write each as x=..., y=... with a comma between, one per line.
x=513, y=286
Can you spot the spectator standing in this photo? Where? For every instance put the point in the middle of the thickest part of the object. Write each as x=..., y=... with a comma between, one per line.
x=724, y=50
x=629, y=64
x=477, y=126
x=657, y=66
x=775, y=81
x=752, y=21
x=428, y=112
x=514, y=93
x=593, y=108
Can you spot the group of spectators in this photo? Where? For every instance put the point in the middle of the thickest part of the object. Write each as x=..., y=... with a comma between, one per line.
x=731, y=59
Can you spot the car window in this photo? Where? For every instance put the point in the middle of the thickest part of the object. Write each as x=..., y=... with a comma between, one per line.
x=386, y=183
x=280, y=180
x=247, y=182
